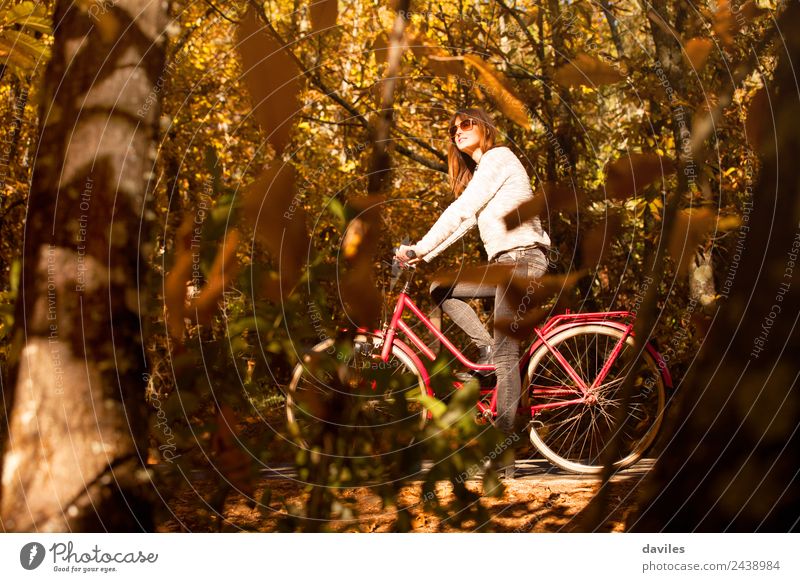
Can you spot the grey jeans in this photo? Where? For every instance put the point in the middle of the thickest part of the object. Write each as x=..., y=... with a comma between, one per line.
x=530, y=263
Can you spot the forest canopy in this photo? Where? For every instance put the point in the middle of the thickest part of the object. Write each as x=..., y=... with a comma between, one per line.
x=194, y=194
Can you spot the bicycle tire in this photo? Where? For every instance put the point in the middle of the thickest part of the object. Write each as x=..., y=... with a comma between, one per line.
x=313, y=383
x=573, y=437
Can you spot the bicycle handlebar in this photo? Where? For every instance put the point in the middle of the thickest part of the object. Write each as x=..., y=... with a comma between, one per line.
x=397, y=263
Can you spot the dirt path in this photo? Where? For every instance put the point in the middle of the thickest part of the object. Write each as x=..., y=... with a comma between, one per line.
x=541, y=499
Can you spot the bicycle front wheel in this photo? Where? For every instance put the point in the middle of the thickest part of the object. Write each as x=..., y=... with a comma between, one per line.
x=573, y=431
x=348, y=387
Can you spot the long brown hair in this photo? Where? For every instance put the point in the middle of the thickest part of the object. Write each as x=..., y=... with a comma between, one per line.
x=461, y=166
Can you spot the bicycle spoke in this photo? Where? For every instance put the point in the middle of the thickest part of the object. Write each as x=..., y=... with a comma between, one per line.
x=575, y=436
x=352, y=390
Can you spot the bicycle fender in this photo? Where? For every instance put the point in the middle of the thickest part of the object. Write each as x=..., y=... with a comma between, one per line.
x=660, y=362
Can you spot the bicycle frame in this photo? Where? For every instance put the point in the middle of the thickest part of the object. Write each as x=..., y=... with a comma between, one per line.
x=621, y=320
x=583, y=318
x=572, y=374
x=397, y=323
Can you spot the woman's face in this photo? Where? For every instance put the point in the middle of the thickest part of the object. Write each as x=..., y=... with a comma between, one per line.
x=467, y=140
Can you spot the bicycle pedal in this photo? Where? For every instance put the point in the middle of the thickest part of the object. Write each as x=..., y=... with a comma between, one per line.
x=364, y=348
x=484, y=418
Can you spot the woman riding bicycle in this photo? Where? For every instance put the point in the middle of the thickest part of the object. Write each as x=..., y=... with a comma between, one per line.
x=488, y=181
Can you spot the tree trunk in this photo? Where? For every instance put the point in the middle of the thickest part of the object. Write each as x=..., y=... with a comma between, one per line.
x=76, y=446
x=674, y=73
x=672, y=76
x=731, y=460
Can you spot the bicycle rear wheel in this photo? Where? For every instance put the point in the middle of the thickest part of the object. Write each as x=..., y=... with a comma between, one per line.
x=574, y=436
x=346, y=388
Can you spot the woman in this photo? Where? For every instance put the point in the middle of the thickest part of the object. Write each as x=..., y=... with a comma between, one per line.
x=488, y=181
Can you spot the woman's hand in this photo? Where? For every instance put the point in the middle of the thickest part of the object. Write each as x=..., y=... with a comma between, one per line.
x=403, y=258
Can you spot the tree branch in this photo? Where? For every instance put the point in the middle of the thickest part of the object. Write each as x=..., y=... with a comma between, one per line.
x=221, y=13
x=520, y=22
x=612, y=25
x=317, y=81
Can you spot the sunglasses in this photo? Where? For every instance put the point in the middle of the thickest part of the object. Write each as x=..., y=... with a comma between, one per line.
x=465, y=125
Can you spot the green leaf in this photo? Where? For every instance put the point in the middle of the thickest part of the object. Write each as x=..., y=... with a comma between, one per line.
x=436, y=406
x=337, y=209
x=246, y=323
x=16, y=267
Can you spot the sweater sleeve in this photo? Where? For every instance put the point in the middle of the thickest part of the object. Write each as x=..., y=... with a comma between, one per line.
x=457, y=234
x=487, y=180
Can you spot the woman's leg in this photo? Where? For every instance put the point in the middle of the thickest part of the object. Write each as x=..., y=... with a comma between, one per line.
x=532, y=264
x=460, y=312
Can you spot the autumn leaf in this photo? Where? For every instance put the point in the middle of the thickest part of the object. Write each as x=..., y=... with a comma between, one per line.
x=323, y=14
x=724, y=22
x=435, y=58
x=380, y=48
x=416, y=42
x=493, y=274
x=108, y=26
x=176, y=279
x=272, y=77
x=30, y=15
x=599, y=239
x=529, y=312
x=24, y=31
x=497, y=86
x=530, y=15
x=727, y=21
x=522, y=327
x=359, y=291
x=22, y=51
x=548, y=197
x=587, y=70
x=359, y=295
x=517, y=285
x=688, y=232
x=279, y=220
x=442, y=65
x=223, y=271
x=697, y=51
x=629, y=175
x=353, y=237
x=726, y=223
x=760, y=118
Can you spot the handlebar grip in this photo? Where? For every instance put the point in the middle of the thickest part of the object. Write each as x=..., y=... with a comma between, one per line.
x=411, y=254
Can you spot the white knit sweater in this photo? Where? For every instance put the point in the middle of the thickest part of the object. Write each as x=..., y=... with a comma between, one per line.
x=498, y=186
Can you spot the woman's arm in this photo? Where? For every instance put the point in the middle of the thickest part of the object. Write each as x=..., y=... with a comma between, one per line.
x=455, y=236
x=487, y=180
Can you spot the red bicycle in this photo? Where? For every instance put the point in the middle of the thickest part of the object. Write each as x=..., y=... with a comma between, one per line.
x=571, y=376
